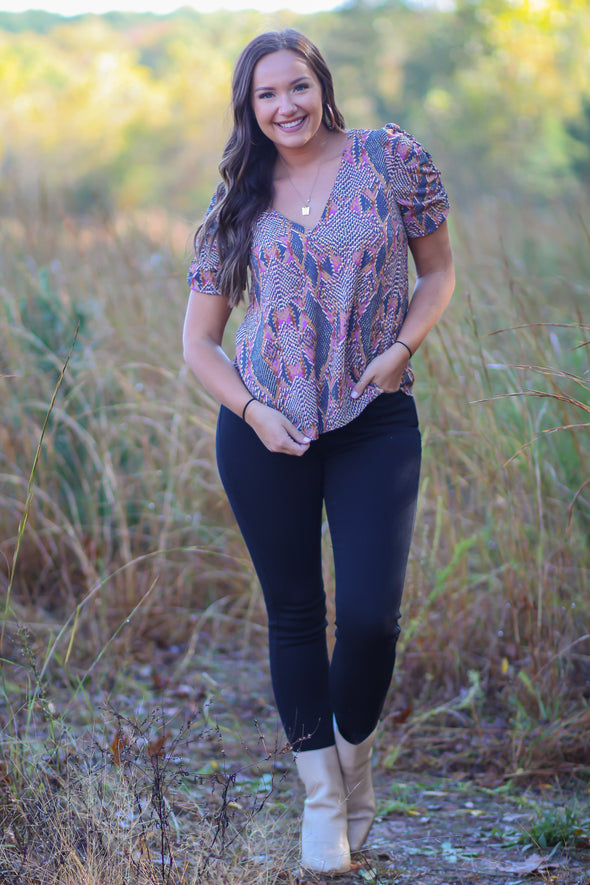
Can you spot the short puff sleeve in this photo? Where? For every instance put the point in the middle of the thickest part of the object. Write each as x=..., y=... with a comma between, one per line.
x=416, y=183
x=202, y=273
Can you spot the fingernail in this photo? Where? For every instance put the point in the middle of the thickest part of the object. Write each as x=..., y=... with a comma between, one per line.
x=354, y=394
x=306, y=439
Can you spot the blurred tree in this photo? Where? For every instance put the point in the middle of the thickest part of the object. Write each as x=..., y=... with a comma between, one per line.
x=519, y=80
x=579, y=130
x=130, y=109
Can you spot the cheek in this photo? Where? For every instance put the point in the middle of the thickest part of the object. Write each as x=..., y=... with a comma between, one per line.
x=315, y=101
x=260, y=113
x=256, y=115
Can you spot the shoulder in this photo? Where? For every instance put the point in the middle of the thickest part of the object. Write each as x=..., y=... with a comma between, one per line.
x=388, y=146
x=405, y=157
x=402, y=146
x=389, y=132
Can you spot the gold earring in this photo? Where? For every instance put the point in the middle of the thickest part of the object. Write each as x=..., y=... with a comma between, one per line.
x=329, y=117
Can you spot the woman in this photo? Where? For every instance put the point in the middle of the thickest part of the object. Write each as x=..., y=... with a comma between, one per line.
x=314, y=222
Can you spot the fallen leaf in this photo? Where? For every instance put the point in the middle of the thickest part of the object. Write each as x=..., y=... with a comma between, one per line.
x=531, y=865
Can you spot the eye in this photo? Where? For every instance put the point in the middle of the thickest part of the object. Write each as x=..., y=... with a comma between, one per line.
x=301, y=87
x=265, y=94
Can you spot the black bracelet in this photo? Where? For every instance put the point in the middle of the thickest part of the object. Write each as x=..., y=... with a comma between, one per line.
x=251, y=400
x=403, y=344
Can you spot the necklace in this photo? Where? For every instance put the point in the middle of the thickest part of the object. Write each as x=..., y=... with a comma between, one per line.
x=306, y=207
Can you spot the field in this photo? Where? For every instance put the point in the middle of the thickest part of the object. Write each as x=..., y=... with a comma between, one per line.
x=132, y=620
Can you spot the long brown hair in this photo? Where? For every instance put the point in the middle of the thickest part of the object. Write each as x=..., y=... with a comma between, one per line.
x=248, y=160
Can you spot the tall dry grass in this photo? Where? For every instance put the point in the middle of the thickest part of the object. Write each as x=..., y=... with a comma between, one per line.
x=129, y=542
x=115, y=542
x=128, y=507
x=498, y=582
x=129, y=518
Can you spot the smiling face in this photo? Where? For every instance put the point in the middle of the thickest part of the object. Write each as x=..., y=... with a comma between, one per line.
x=287, y=100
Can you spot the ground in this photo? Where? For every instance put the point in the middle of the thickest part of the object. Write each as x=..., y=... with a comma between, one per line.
x=175, y=757
x=431, y=829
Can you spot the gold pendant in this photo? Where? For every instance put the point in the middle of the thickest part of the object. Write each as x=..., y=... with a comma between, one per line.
x=305, y=210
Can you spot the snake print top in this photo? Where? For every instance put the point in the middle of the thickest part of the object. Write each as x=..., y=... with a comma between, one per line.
x=325, y=301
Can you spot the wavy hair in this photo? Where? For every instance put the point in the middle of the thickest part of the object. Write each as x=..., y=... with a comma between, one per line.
x=248, y=160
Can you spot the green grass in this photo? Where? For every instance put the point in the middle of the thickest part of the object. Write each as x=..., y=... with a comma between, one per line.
x=566, y=827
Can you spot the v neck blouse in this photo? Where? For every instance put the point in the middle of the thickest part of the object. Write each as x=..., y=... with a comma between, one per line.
x=300, y=225
x=326, y=300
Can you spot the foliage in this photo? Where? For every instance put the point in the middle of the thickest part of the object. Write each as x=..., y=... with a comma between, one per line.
x=130, y=539
x=74, y=809
x=138, y=806
x=126, y=475
x=115, y=536
x=567, y=826
x=125, y=110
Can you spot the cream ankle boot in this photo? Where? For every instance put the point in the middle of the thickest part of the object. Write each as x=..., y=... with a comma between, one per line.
x=361, y=806
x=324, y=844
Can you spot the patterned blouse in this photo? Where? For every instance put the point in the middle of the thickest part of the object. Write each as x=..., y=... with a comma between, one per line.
x=326, y=301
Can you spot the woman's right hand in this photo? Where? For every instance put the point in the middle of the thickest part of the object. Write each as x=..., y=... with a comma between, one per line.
x=206, y=319
x=275, y=431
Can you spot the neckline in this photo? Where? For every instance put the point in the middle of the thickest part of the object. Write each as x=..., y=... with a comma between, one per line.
x=322, y=218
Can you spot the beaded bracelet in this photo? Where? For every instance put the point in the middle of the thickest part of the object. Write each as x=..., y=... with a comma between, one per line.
x=403, y=344
x=251, y=400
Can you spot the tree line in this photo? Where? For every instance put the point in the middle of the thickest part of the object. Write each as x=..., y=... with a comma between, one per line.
x=130, y=110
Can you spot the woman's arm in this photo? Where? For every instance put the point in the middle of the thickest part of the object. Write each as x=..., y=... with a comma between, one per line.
x=434, y=286
x=205, y=322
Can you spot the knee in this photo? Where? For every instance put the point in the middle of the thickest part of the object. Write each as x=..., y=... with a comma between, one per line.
x=367, y=630
x=298, y=622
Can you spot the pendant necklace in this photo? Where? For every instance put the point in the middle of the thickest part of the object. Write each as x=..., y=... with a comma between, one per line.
x=306, y=207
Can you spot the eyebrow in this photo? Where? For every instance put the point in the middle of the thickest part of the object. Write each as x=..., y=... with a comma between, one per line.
x=292, y=83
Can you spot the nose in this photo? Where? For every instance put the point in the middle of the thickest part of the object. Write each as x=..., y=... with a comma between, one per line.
x=286, y=105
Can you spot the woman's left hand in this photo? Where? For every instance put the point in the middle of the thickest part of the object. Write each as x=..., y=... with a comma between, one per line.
x=385, y=371
x=435, y=281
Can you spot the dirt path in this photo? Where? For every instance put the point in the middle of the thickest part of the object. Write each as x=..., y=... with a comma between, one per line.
x=431, y=830
x=449, y=833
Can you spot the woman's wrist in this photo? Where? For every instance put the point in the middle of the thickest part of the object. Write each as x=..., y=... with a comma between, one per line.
x=248, y=403
x=405, y=346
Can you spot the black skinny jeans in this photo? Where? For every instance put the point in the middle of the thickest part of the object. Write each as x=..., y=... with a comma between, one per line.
x=367, y=474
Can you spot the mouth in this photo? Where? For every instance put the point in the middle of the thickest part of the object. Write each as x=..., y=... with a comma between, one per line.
x=291, y=125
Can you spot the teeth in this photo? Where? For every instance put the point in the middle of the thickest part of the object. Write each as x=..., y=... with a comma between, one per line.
x=290, y=125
